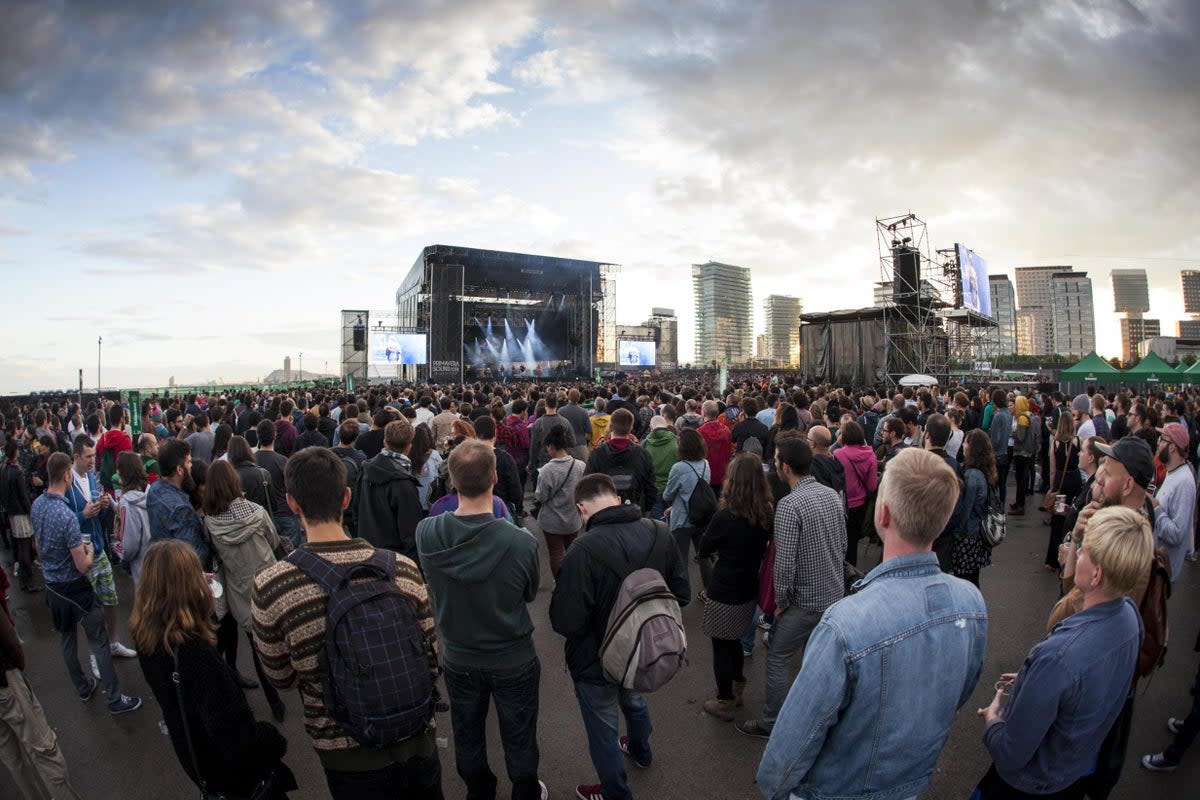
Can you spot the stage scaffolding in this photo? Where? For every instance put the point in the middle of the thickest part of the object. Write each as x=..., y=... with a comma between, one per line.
x=914, y=335
x=606, y=310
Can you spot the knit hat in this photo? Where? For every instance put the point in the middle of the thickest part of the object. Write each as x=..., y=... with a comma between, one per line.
x=1082, y=404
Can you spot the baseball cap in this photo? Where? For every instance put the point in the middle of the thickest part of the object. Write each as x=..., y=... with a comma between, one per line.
x=1176, y=434
x=1082, y=403
x=1135, y=455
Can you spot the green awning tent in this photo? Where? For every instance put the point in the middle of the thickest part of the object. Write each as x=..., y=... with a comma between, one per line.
x=1151, y=370
x=1194, y=369
x=1092, y=369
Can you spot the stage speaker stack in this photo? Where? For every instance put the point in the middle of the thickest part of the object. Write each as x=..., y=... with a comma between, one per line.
x=906, y=280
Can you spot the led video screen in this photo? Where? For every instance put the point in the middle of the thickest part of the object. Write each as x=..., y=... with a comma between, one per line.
x=976, y=292
x=388, y=348
x=634, y=353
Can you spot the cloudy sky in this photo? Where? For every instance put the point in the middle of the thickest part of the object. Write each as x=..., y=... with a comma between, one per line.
x=206, y=187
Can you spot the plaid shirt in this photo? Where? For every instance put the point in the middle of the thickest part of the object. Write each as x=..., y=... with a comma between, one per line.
x=810, y=546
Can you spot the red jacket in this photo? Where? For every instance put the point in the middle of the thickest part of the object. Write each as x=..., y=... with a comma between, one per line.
x=720, y=448
x=115, y=442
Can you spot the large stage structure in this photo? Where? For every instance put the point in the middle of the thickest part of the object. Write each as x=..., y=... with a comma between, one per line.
x=495, y=314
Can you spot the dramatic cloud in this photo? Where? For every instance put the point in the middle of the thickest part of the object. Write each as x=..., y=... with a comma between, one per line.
x=273, y=146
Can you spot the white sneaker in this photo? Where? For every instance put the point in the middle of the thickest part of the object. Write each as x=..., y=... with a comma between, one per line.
x=121, y=651
x=95, y=668
x=545, y=791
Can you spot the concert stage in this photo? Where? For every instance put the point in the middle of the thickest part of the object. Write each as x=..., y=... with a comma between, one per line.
x=495, y=314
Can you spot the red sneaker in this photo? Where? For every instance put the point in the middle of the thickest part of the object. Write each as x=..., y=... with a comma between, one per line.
x=594, y=792
x=623, y=743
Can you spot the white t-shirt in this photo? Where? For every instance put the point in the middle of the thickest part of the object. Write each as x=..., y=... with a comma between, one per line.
x=1086, y=430
x=955, y=443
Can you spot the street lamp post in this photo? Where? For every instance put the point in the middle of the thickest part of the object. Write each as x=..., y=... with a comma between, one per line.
x=301, y=366
x=99, y=352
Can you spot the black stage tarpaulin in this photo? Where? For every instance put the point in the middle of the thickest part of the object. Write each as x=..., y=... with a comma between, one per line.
x=844, y=347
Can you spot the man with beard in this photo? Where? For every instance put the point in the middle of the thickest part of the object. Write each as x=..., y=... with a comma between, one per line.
x=1176, y=498
x=167, y=501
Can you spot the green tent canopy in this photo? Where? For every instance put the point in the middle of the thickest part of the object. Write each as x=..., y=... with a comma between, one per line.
x=1092, y=369
x=1151, y=369
x=1194, y=369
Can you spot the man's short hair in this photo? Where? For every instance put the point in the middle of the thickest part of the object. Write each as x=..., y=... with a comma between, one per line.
x=559, y=437
x=316, y=479
x=266, y=432
x=551, y=399
x=398, y=435
x=709, y=409
x=348, y=431
x=1119, y=541
x=937, y=428
x=57, y=467
x=172, y=454
x=621, y=422
x=80, y=444
x=144, y=442
x=473, y=468
x=908, y=415
x=820, y=436
x=485, y=428
x=518, y=406
x=894, y=426
x=920, y=491
x=116, y=415
x=200, y=420
x=795, y=452
x=593, y=486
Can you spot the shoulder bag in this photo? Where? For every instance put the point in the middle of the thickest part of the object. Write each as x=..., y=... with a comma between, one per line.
x=537, y=507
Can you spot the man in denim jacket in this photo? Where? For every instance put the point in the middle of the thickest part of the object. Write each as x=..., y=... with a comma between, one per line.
x=887, y=668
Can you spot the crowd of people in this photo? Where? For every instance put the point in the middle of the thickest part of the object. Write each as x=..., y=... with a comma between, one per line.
x=373, y=551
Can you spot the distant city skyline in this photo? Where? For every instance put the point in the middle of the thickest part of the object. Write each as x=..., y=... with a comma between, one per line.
x=206, y=187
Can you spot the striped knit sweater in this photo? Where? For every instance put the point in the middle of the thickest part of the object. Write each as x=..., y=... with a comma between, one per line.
x=289, y=630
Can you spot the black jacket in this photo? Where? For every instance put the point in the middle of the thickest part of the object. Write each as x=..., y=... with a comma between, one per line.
x=390, y=506
x=256, y=484
x=327, y=428
x=586, y=589
x=739, y=547
x=630, y=467
x=233, y=751
x=508, y=480
x=829, y=472
x=370, y=442
x=14, y=491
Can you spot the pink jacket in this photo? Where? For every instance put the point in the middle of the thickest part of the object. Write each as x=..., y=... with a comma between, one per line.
x=862, y=472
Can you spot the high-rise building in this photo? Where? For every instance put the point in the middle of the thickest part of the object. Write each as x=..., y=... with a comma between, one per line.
x=1031, y=332
x=287, y=366
x=668, y=335
x=782, y=315
x=1034, y=295
x=1131, y=291
x=1073, y=319
x=1004, y=310
x=724, y=319
x=1062, y=308
x=1133, y=330
x=1188, y=329
x=1190, y=279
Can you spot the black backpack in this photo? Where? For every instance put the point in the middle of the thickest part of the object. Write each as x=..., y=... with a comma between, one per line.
x=702, y=503
x=375, y=663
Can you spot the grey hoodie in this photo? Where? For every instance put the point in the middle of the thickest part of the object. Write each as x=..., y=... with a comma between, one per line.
x=135, y=531
x=245, y=541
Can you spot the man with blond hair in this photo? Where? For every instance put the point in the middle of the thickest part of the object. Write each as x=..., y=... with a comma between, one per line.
x=1047, y=723
x=866, y=715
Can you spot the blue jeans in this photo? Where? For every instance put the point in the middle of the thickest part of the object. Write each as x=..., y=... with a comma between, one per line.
x=599, y=703
x=515, y=692
x=289, y=527
x=748, y=640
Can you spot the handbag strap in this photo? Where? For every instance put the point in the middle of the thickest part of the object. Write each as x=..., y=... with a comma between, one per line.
x=1062, y=478
x=187, y=731
x=566, y=479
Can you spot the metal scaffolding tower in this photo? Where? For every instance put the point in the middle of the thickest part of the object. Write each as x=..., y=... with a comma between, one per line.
x=915, y=338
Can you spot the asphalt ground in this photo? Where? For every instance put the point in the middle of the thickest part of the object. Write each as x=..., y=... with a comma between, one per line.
x=695, y=756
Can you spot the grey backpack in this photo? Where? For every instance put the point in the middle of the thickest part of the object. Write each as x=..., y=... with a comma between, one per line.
x=644, y=643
